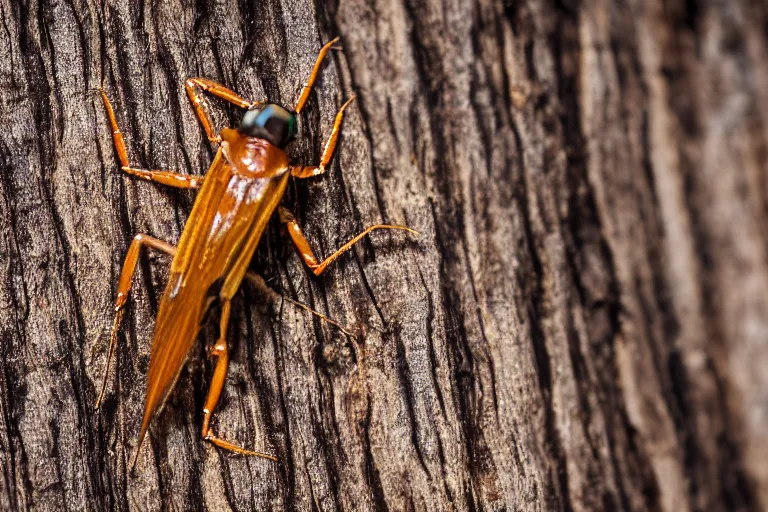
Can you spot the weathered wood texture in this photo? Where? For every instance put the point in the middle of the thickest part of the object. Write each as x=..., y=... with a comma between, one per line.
x=582, y=324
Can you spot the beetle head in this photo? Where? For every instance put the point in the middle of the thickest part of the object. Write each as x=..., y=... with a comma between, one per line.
x=272, y=123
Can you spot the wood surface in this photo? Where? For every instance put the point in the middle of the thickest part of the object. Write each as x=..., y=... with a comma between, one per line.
x=581, y=325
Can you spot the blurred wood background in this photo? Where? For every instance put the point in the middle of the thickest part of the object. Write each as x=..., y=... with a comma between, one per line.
x=582, y=324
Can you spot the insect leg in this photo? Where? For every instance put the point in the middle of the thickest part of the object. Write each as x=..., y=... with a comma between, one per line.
x=124, y=287
x=170, y=178
x=258, y=282
x=307, y=171
x=302, y=245
x=313, y=75
x=221, y=352
x=195, y=88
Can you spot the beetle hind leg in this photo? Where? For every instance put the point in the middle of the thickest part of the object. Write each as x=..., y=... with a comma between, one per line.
x=258, y=282
x=124, y=288
x=221, y=352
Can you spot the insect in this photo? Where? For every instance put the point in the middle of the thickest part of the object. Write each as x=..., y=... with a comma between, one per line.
x=237, y=196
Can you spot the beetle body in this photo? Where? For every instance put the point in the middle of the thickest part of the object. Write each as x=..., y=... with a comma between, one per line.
x=238, y=195
x=242, y=188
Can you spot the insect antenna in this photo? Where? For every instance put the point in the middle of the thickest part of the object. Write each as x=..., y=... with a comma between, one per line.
x=258, y=282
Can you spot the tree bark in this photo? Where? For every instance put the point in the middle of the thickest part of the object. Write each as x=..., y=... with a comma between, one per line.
x=582, y=323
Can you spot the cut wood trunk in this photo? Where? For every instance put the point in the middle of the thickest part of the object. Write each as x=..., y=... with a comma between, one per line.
x=582, y=323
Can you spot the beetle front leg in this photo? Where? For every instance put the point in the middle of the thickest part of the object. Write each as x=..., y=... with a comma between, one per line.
x=196, y=86
x=307, y=171
x=124, y=287
x=170, y=178
x=302, y=245
x=221, y=352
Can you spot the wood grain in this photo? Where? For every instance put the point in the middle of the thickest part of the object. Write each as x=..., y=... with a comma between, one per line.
x=582, y=324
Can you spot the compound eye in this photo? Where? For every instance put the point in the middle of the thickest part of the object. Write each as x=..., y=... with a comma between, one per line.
x=272, y=123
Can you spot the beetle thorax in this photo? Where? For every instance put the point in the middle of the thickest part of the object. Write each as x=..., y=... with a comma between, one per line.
x=253, y=156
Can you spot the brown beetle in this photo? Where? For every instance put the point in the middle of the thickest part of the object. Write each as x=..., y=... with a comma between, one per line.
x=242, y=188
